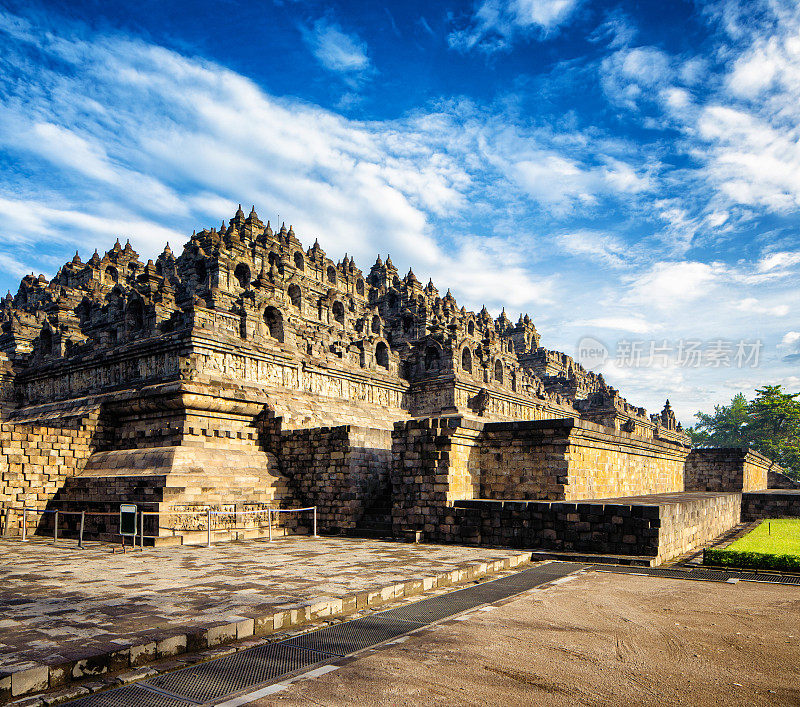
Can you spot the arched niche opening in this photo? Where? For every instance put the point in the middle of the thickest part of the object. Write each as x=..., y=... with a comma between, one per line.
x=382, y=355
x=295, y=296
x=242, y=275
x=46, y=342
x=408, y=323
x=134, y=316
x=299, y=262
x=471, y=328
x=275, y=259
x=112, y=274
x=360, y=287
x=466, y=360
x=274, y=321
x=376, y=324
x=431, y=358
x=498, y=371
x=338, y=312
x=331, y=274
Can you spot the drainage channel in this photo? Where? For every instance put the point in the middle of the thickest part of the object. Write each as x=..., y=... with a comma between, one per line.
x=211, y=681
x=702, y=574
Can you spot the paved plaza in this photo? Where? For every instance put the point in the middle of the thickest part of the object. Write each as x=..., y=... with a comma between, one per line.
x=59, y=604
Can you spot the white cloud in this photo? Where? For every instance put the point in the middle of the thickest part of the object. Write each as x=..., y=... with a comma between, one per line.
x=751, y=304
x=630, y=75
x=496, y=23
x=336, y=50
x=632, y=324
x=170, y=126
x=669, y=284
x=779, y=263
x=13, y=266
x=600, y=247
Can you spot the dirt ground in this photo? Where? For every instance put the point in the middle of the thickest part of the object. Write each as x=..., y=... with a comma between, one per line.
x=601, y=639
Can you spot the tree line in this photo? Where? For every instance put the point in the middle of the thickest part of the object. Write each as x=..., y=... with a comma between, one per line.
x=770, y=424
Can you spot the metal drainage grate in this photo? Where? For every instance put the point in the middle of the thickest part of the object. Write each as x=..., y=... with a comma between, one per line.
x=701, y=574
x=534, y=577
x=233, y=673
x=711, y=575
x=648, y=571
x=446, y=605
x=352, y=636
x=131, y=696
x=437, y=608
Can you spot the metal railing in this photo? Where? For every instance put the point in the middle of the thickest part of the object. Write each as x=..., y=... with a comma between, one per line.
x=208, y=513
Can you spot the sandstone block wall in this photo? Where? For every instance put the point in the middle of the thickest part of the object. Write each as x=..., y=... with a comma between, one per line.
x=695, y=519
x=772, y=503
x=524, y=461
x=341, y=470
x=776, y=479
x=660, y=526
x=572, y=460
x=605, y=463
x=37, y=458
x=445, y=471
x=434, y=462
x=727, y=469
x=613, y=528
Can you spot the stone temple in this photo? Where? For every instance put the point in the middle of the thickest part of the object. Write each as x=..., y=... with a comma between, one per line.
x=247, y=372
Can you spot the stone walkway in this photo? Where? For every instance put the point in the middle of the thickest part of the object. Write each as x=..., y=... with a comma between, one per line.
x=59, y=604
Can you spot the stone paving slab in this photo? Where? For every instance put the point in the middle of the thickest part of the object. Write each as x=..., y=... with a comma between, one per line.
x=67, y=613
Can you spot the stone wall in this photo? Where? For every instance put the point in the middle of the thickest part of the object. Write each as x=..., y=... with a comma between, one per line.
x=693, y=519
x=341, y=470
x=777, y=479
x=610, y=528
x=660, y=527
x=571, y=459
x=446, y=469
x=772, y=503
x=439, y=460
x=434, y=462
x=728, y=469
x=37, y=458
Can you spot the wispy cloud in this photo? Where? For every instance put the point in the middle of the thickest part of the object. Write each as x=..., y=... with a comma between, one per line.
x=495, y=24
x=338, y=51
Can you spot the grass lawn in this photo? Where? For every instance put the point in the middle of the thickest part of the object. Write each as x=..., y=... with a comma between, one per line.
x=773, y=537
x=774, y=544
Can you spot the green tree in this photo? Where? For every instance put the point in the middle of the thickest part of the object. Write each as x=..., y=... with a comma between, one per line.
x=770, y=424
x=724, y=428
x=774, y=426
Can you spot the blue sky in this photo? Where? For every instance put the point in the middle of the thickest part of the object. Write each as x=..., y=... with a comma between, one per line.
x=624, y=171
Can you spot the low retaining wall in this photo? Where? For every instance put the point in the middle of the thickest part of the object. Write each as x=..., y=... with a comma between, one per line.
x=695, y=518
x=662, y=526
x=728, y=469
x=573, y=460
x=773, y=503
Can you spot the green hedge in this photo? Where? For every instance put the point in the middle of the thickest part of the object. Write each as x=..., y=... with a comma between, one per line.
x=755, y=560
